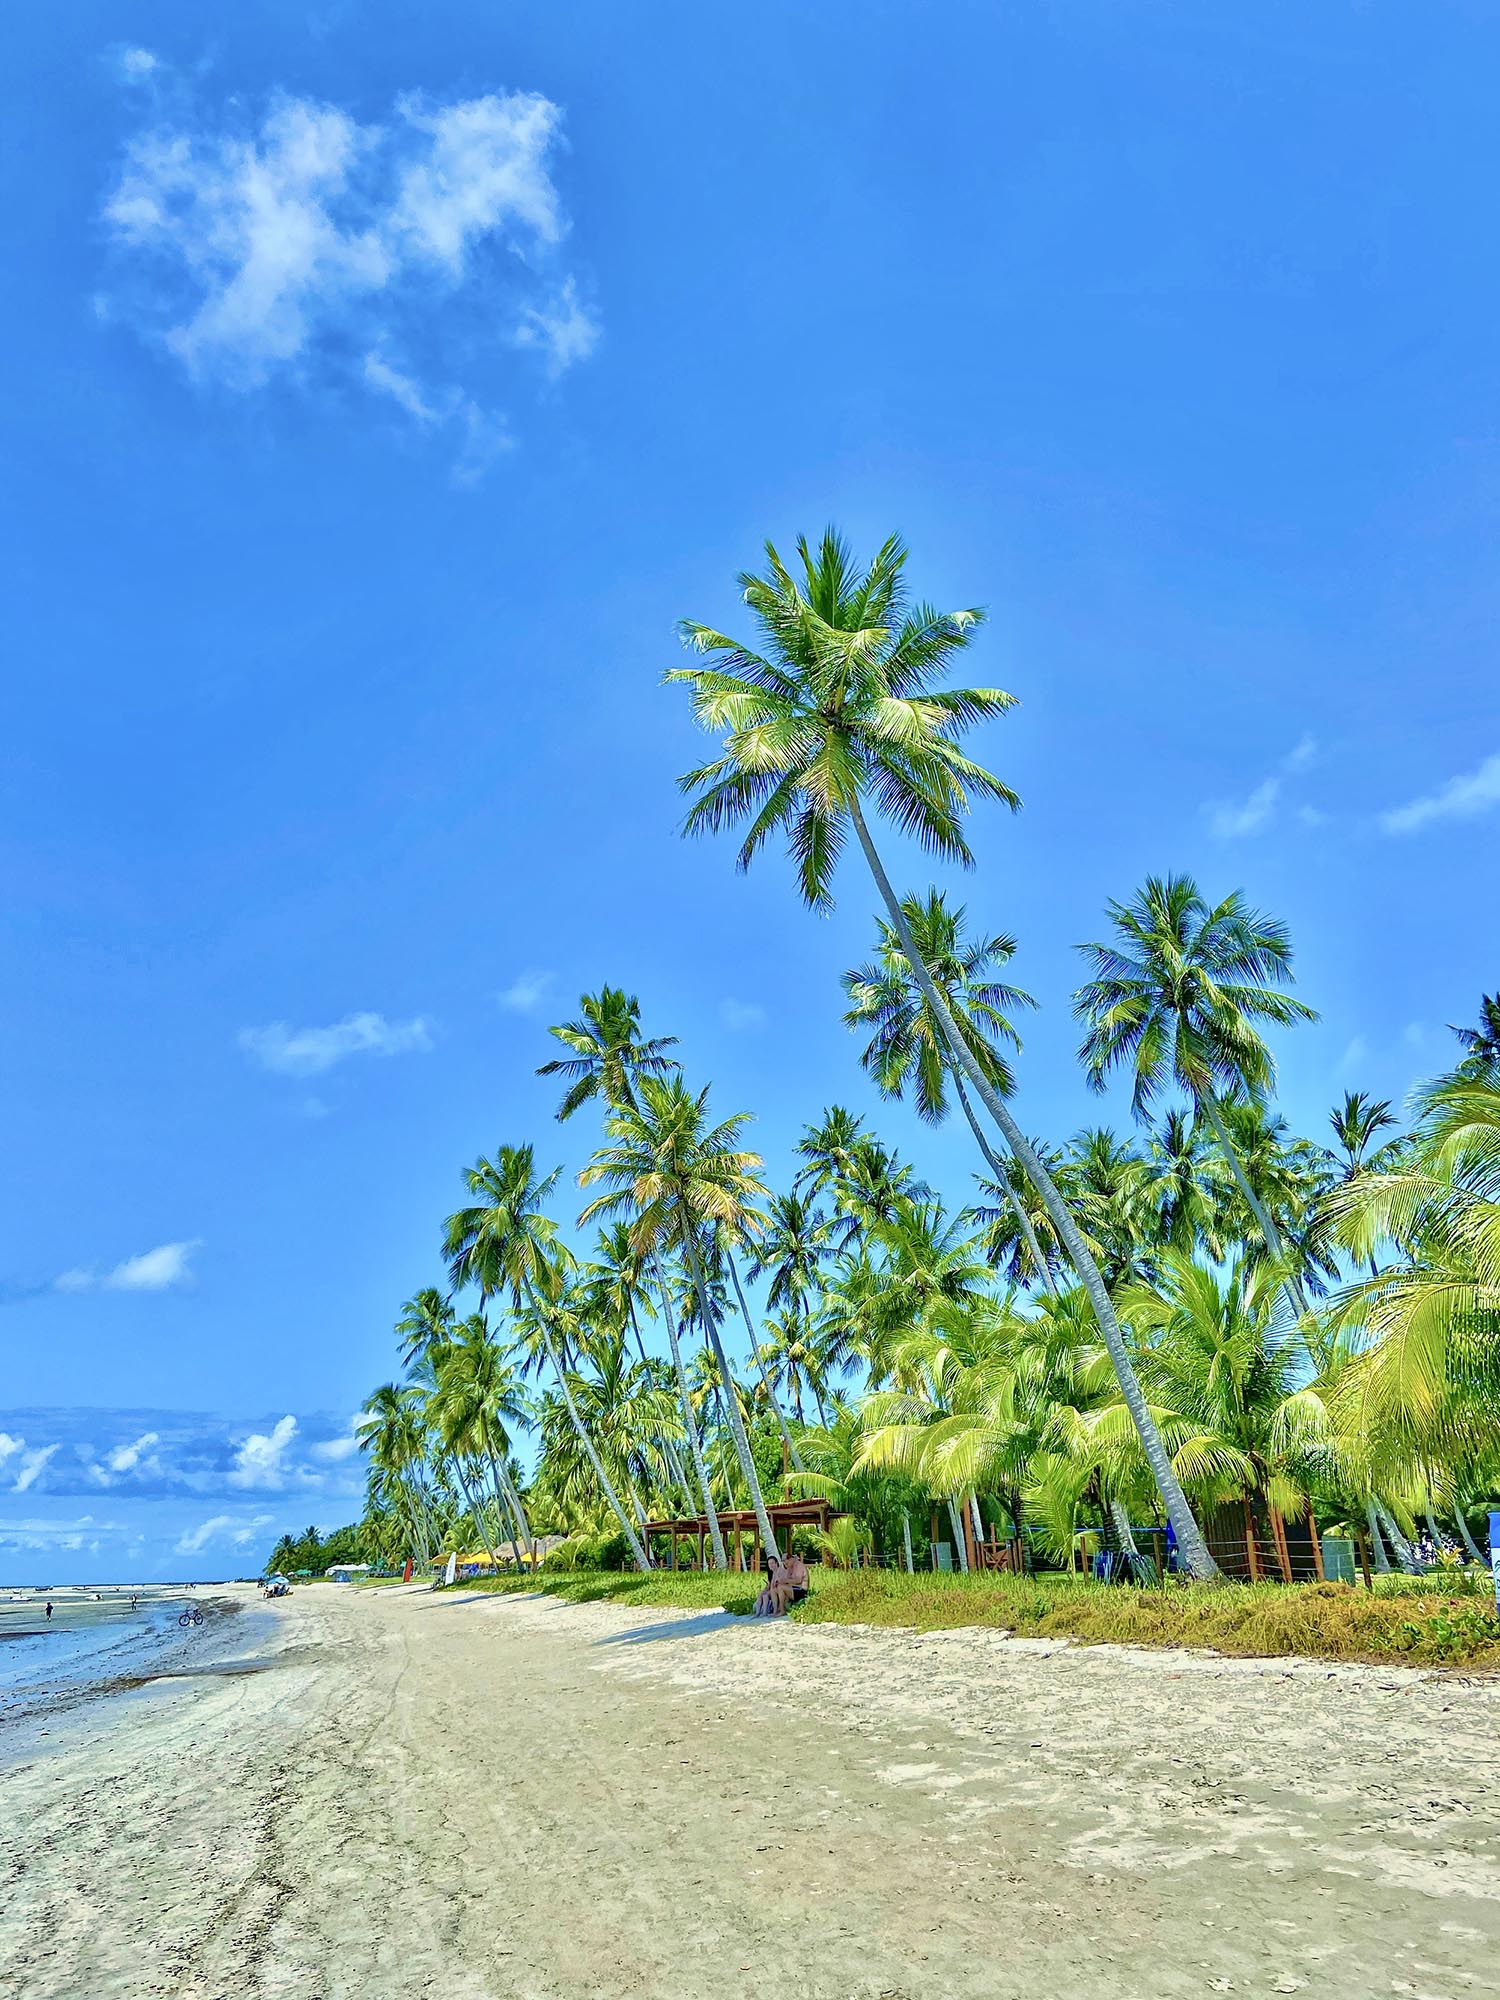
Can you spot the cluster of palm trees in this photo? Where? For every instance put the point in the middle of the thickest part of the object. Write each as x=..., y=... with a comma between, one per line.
x=1117, y=1328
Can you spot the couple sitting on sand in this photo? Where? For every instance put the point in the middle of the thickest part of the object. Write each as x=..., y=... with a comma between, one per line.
x=787, y=1586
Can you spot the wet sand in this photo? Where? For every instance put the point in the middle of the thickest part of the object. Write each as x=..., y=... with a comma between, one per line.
x=478, y=1798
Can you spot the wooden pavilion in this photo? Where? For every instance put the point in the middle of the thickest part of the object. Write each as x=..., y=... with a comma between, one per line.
x=734, y=1525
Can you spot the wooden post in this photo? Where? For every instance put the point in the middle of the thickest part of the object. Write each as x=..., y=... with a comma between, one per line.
x=933, y=1538
x=1317, y=1542
x=1251, y=1551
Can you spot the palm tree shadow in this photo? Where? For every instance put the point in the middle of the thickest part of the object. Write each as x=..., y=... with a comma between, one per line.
x=681, y=1628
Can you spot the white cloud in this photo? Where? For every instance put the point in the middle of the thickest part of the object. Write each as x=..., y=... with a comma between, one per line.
x=400, y=388
x=1228, y=821
x=137, y=64
x=157, y=1270
x=309, y=1051
x=296, y=243
x=563, y=329
x=338, y=1448
x=739, y=1015
x=154, y=1270
x=136, y=1457
x=261, y=1459
x=206, y=1531
x=33, y=1465
x=525, y=991
x=9, y=1446
x=1463, y=797
x=32, y=1534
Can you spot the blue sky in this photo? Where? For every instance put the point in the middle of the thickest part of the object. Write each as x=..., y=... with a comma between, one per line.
x=380, y=386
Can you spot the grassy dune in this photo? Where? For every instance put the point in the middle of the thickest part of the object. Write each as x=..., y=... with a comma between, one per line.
x=1415, y=1621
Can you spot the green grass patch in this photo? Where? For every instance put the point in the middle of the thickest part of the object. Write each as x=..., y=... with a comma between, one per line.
x=1414, y=1621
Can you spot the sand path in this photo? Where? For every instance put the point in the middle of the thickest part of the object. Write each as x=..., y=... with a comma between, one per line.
x=480, y=1798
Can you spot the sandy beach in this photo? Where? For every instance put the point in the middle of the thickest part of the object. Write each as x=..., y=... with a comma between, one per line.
x=478, y=1798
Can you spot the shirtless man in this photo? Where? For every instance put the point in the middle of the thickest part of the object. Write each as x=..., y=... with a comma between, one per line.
x=787, y=1586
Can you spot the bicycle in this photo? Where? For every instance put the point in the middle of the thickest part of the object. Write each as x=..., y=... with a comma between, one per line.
x=191, y=1617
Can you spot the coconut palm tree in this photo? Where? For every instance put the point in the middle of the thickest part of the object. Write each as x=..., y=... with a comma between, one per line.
x=478, y=1406
x=507, y=1246
x=1176, y=997
x=1481, y=1045
x=841, y=708
x=909, y=1045
x=826, y=1150
x=677, y=1175
x=1428, y=1376
x=607, y=1051
x=609, y=1056
x=393, y=1435
x=427, y=1321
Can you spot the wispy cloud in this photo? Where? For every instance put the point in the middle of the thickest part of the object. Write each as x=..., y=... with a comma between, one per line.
x=309, y=1051
x=1231, y=821
x=525, y=992
x=1464, y=797
x=33, y=1465
x=741, y=1015
x=291, y=242
x=233, y=1528
x=158, y=1270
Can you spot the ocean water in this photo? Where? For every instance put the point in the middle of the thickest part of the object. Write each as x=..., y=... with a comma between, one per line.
x=90, y=1641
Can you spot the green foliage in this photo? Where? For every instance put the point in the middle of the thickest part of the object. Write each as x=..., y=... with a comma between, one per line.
x=318, y=1553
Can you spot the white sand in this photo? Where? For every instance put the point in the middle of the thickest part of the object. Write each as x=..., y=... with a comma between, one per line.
x=478, y=1798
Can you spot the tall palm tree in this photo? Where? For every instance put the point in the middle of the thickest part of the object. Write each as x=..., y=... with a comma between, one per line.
x=506, y=1245
x=842, y=707
x=1177, y=995
x=609, y=1057
x=677, y=1175
x=607, y=1051
x=615, y=1279
x=478, y=1399
x=826, y=1150
x=393, y=1435
x=909, y=1045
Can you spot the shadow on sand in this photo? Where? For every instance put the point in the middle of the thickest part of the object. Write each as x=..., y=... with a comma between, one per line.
x=684, y=1628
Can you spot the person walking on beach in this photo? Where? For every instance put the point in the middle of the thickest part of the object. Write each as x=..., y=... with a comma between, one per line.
x=49, y=1610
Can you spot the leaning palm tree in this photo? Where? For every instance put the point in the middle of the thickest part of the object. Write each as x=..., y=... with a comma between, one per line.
x=842, y=708
x=677, y=1175
x=427, y=1321
x=909, y=1045
x=506, y=1245
x=478, y=1398
x=1176, y=997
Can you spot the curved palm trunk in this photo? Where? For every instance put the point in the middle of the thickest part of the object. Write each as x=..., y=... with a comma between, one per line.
x=1465, y=1537
x=668, y=1449
x=505, y=1490
x=477, y=1511
x=1263, y=1221
x=1189, y=1536
x=1028, y=1234
x=632, y=1539
x=1401, y=1548
x=731, y=1400
x=1380, y=1562
x=695, y=1442
x=1125, y=1535
x=786, y=1436
x=960, y=1540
